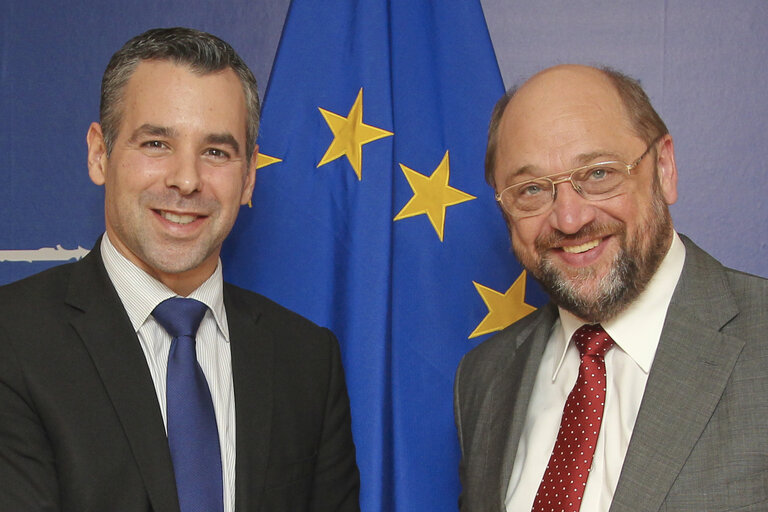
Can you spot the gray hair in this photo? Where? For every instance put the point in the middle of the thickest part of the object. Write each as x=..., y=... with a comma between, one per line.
x=202, y=52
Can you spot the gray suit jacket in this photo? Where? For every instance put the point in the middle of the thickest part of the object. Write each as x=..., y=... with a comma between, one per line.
x=700, y=442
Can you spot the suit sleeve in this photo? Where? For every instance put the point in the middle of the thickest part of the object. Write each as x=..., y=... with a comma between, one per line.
x=457, y=417
x=28, y=479
x=337, y=481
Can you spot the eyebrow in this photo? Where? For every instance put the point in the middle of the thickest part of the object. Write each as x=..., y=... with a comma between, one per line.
x=164, y=131
x=153, y=130
x=580, y=160
x=603, y=155
x=223, y=138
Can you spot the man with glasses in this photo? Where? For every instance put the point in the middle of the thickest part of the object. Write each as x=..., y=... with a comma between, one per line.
x=642, y=386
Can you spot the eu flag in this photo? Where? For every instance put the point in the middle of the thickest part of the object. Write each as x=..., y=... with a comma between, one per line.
x=371, y=216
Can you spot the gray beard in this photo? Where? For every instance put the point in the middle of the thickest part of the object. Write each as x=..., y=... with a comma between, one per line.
x=632, y=269
x=615, y=290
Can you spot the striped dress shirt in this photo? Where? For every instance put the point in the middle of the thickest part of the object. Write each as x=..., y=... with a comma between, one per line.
x=140, y=293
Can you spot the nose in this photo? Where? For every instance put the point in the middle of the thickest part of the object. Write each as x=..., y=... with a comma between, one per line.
x=184, y=174
x=570, y=212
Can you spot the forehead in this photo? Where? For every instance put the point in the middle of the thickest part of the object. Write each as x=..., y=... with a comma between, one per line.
x=560, y=114
x=166, y=94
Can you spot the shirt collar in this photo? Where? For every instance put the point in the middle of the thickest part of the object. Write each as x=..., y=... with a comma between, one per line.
x=637, y=329
x=141, y=293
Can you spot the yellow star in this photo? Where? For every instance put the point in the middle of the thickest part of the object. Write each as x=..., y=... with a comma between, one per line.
x=349, y=135
x=503, y=308
x=263, y=160
x=432, y=195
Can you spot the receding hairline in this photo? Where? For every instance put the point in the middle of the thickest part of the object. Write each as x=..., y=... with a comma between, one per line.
x=637, y=110
x=565, y=74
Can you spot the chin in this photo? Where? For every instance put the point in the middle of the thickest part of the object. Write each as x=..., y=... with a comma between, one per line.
x=176, y=261
x=591, y=297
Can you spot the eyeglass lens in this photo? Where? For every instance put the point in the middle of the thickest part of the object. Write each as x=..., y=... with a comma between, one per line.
x=596, y=182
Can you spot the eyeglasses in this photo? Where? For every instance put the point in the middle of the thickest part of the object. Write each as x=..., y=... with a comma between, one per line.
x=594, y=182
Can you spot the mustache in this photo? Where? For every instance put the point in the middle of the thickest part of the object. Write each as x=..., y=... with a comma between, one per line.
x=591, y=230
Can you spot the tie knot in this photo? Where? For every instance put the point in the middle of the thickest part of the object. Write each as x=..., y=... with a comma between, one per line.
x=592, y=340
x=179, y=316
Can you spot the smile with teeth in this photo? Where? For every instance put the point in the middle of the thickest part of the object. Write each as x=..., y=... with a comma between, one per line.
x=575, y=249
x=177, y=218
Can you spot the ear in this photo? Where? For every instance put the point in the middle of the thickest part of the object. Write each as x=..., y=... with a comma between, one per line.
x=250, y=178
x=666, y=168
x=97, y=154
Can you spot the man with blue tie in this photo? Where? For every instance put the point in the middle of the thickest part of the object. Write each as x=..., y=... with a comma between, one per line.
x=136, y=379
x=642, y=386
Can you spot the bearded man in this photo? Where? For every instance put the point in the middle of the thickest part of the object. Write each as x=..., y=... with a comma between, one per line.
x=642, y=386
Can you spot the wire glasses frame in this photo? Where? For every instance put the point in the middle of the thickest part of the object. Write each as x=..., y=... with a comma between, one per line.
x=594, y=182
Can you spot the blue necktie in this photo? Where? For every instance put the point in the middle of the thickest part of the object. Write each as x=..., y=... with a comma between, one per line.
x=192, y=434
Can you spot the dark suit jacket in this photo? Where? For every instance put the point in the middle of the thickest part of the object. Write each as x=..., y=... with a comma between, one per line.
x=81, y=429
x=700, y=442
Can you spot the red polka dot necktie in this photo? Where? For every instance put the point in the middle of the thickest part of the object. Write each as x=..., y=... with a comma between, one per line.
x=565, y=478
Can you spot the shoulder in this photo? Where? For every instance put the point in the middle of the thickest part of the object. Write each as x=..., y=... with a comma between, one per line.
x=256, y=302
x=702, y=265
x=34, y=292
x=283, y=323
x=497, y=351
x=83, y=278
x=35, y=322
x=706, y=282
x=749, y=286
x=704, y=272
x=750, y=293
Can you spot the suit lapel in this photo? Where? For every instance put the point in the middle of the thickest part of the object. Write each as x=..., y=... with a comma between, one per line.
x=252, y=372
x=511, y=395
x=106, y=332
x=690, y=371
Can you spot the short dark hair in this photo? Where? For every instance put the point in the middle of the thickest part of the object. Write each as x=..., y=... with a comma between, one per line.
x=646, y=122
x=202, y=52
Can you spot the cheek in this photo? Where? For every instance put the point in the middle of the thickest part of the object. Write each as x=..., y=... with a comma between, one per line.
x=628, y=212
x=135, y=174
x=524, y=232
x=227, y=189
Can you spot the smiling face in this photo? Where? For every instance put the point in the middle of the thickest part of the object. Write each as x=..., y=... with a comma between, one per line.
x=177, y=174
x=592, y=257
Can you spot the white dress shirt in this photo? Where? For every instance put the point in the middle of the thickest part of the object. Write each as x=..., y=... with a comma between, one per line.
x=636, y=332
x=140, y=293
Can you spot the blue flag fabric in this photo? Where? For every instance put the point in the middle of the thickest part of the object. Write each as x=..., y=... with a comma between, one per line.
x=371, y=216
